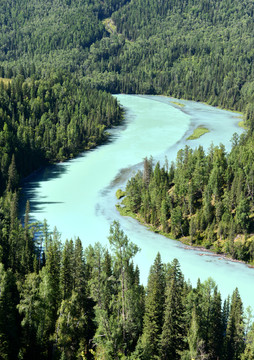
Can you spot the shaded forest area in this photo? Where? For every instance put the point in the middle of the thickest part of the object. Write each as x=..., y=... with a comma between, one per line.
x=47, y=119
x=57, y=60
x=71, y=303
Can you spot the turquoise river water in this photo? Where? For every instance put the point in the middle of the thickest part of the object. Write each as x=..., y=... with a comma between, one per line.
x=78, y=196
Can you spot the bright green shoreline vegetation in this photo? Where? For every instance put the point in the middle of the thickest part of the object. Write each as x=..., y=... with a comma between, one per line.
x=243, y=124
x=177, y=103
x=186, y=240
x=197, y=133
x=120, y=194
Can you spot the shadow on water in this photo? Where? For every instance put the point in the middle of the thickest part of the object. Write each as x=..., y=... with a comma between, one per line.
x=31, y=183
x=54, y=171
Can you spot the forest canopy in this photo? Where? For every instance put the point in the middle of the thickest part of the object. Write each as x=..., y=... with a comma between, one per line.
x=59, y=60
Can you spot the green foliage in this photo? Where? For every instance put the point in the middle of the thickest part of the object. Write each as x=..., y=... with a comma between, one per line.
x=9, y=321
x=173, y=329
x=206, y=200
x=197, y=133
x=92, y=305
x=196, y=50
x=120, y=193
x=249, y=350
x=56, y=58
x=49, y=119
x=52, y=34
x=154, y=309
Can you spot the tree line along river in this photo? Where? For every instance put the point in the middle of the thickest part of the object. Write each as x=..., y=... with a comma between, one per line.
x=78, y=196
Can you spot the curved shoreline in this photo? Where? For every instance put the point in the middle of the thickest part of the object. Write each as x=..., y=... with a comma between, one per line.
x=125, y=212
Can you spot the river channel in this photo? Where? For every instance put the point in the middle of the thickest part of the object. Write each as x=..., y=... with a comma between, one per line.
x=78, y=196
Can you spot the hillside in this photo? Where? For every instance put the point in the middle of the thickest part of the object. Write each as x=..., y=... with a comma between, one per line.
x=200, y=50
x=59, y=62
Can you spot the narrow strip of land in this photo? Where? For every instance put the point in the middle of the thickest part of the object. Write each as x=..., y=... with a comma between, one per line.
x=197, y=133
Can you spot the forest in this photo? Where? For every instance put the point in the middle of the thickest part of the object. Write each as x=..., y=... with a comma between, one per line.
x=59, y=62
x=205, y=199
x=47, y=119
x=59, y=301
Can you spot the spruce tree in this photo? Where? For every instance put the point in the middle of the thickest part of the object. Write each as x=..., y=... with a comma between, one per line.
x=9, y=325
x=30, y=308
x=249, y=349
x=234, y=340
x=13, y=178
x=123, y=251
x=173, y=330
x=154, y=310
x=66, y=270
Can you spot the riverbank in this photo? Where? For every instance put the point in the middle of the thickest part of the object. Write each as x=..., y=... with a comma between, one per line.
x=87, y=209
x=124, y=211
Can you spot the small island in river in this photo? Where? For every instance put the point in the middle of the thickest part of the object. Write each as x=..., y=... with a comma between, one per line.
x=197, y=133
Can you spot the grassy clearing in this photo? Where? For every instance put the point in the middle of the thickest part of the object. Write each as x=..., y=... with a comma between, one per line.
x=109, y=25
x=198, y=132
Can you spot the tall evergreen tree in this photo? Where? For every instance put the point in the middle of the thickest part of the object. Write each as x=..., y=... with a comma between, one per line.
x=66, y=270
x=154, y=311
x=13, y=177
x=123, y=251
x=30, y=307
x=173, y=329
x=9, y=324
x=234, y=341
x=249, y=349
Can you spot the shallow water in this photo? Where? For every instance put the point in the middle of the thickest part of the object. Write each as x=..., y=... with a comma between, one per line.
x=78, y=196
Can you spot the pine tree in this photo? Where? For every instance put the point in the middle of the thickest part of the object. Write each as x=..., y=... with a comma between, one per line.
x=13, y=178
x=49, y=292
x=154, y=310
x=100, y=283
x=173, y=330
x=147, y=172
x=123, y=251
x=66, y=270
x=71, y=327
x=249, y=349
x=234, y=341
x=30, y=308
x=27, y=255
x=9, y=329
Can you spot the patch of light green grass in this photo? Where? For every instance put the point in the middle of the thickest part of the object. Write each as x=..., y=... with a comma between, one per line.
x=177, y=103
x=198, y=132
x=119, y=194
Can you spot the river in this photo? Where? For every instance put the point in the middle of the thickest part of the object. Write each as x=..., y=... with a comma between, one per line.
x=78, y=196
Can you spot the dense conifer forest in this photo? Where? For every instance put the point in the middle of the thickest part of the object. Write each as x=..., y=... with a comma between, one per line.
x=59, y=60
x=59, y=301
x=49, y=119
x=204, y=199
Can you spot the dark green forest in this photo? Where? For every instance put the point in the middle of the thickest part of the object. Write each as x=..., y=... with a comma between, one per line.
x=201, y=50
x=203, y=199
x=70, y=303
x=49, y=119
x=59, y=62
